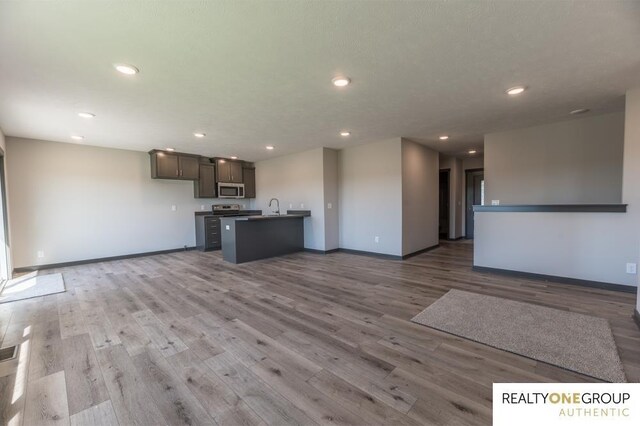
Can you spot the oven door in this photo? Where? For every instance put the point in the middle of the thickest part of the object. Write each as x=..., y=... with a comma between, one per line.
x=230, y=190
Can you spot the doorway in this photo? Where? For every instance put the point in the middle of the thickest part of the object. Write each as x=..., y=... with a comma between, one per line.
x=474, y=196
x=443, y=228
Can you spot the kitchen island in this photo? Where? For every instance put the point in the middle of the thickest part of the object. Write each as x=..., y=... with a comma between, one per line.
x=258, y=237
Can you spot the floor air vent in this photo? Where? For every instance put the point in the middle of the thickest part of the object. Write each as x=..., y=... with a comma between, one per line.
x=7, y=353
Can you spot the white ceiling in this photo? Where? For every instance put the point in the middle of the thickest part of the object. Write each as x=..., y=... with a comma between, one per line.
x=254, y=73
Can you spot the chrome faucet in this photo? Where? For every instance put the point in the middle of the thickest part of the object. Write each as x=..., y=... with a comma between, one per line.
x=277, y=203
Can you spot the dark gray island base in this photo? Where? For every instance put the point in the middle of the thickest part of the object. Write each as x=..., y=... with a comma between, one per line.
x=258, y=237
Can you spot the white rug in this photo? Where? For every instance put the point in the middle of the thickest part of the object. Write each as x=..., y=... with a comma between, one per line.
x=32, y=286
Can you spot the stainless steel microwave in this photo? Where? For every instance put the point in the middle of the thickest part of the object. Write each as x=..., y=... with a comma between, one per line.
x=230, y=190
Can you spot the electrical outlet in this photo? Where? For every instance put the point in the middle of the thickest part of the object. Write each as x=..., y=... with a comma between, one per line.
x=302, y=205
x=495, y=202
x=290, y=205
x=227, y=227
x=329, y=206
x=632, y=268
x=174, y=208
x=40, y=254
x=376, y=239
x=201, y=206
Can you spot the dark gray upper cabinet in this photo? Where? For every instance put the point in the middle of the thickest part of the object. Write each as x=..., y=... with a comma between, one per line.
x=189, y=167
x=249, y=178
x=173, y=165
x=205, y=187
x=228, y=171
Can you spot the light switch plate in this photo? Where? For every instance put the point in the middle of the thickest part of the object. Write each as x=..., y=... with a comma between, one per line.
x=632, y=268
x=174, y=208
x=40, y=254
x=329, y=205
x=227, y=227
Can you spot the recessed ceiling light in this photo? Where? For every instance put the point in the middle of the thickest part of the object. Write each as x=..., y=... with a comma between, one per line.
x=233, y=157
x=516, y=90
x=444, y=137
x=270, y=147
x=126, y=69
x=199, y=135
x=86, y=115
x=345, y=133
x=77, y=137
x=341, y=81
x=170, y=149
x=580, y=111
x=472, y=151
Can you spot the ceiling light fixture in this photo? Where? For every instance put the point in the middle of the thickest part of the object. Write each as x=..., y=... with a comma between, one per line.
x=472, y=151
x=444, y=137
x=341, y=81
x=86, y=115
x=516, y=90
x=270, y=147
x=580, y=111
x=126, y=69
x=199, y=135
x=77, y=137
x=170, y=149
x=345, y=133
x=233, y=157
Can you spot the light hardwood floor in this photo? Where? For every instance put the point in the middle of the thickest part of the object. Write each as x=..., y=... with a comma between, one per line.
x=186, y=338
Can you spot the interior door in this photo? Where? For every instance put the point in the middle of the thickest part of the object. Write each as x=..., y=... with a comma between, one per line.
x=444, y=204
x=474, y=197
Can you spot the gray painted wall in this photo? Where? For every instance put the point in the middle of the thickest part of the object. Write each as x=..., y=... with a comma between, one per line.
x=331, y=199
x=419, y=197
x=629, y=228
x=77, y=202
x=297, y=180
x=5, y=252
x=577, y=161
x=370, y=179
x=590, y=246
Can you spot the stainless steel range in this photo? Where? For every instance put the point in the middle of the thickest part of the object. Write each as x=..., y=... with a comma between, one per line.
x=226, y=209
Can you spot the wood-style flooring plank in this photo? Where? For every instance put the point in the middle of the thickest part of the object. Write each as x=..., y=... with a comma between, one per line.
x=46, y=402
x=85, y=384
x=130, y=398
x=97, y=415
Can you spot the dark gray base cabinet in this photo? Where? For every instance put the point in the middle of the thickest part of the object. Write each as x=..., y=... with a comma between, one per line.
x=208, y=233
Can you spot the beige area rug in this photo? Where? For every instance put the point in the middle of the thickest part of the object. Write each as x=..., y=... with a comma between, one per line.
x=30, y=286
x=577, y=342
